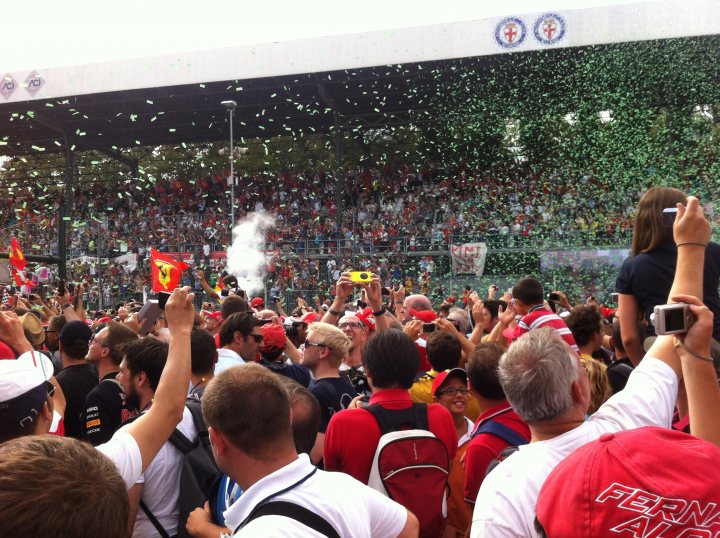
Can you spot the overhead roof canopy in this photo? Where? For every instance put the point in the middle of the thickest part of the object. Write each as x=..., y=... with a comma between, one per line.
x=370, y=79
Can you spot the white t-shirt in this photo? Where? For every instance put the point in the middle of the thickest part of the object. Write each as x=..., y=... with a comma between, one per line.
x=124, y=452
x=161, y=488
x=505, y=505
x=359, y=511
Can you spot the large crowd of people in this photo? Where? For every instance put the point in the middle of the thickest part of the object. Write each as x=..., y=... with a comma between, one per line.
x=377, y=409
x=396, y=221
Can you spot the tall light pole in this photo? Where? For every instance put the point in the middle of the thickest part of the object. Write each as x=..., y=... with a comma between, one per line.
x=231, y=106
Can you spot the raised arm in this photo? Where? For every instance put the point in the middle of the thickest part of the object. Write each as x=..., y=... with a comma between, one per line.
x=701, y=384
x=154, y=428
x=374, y=297
x=343, y=290
x=692, y=233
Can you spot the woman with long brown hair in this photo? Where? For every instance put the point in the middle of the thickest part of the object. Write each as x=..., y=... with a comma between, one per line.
x=646, y=276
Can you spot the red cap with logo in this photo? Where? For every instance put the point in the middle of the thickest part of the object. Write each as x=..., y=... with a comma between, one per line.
x=426, y=316
x=443, y=376
x=257, y=302
x=273, y=337
x=630, y=482
x=366, y=316
x=310, y=317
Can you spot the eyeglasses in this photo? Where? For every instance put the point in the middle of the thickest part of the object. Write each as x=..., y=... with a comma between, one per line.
x=454, y=392
x=257, y=337
x=350, y=325
x=313, y=344
x=94, y=339
x=48, y=330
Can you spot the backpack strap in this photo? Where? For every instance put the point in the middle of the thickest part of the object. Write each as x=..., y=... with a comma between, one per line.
x=161, y=530
x=505, y=433
x=390, y=420
x=298, y=513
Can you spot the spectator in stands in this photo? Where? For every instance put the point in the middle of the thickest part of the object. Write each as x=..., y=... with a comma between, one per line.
x=549, y=389
x=325, y=348
x=154, y=498
x=528, y=301
x=240, y=338
x=104, y=408
x=450, y=389
x=646, y=277
x=272, y=355
x=256, y=449
x=52, y=340
x=490, y=434
x=78, y=377
x=391, y=360
x=621, y=367
x=204, y=356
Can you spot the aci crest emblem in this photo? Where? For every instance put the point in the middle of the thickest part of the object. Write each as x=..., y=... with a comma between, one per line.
x=510, y=32
x=549, y=28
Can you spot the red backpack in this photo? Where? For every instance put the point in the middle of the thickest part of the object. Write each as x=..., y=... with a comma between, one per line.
x=411, y=465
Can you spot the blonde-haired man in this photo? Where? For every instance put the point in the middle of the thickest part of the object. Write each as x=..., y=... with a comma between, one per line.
x=325, y=348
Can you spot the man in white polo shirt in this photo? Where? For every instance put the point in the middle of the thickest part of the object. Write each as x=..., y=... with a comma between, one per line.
x=283, y=493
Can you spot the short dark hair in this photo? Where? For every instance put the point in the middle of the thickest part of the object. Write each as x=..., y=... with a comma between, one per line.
x=306, y=414
x=493, y=306
x=583, y=322
x=36, y=471
x=232, y=304
x=529, y=291
x=443, y=350
x=265, y=419
x=118, y=335
x=242, y=322
x=482, y=370
x=56, y=323
x=202, y=351
x=391, y=359
x=147, y=355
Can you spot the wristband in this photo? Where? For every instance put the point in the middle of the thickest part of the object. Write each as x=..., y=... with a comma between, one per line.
x=681, y=344
x=66, y=305
x=693, y=243
x=379, y=312
x=333, y=312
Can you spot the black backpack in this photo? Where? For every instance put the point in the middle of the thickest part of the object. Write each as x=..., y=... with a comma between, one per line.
x=197, y=474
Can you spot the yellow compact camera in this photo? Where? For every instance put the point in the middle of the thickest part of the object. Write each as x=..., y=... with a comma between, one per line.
x=361, y=277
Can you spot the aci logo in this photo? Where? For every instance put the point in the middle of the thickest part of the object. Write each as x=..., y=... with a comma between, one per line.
x=510, y=32
x=33, y=83
x=7, y=86
x=549, y=28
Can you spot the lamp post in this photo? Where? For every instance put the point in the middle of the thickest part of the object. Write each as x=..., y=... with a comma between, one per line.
x=231, y=106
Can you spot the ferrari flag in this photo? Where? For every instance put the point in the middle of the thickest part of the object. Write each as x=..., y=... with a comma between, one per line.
x=17, y=258
x=166, y=271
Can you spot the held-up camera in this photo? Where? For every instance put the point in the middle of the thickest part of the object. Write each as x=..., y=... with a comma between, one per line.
x=360, y=277
x=672, y=318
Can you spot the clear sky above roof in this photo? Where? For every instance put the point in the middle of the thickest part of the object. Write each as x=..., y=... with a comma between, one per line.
x=42, y=35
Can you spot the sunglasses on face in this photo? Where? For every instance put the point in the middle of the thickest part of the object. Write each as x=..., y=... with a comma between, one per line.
x=350, y=325
x=257, y=337
x=314, y=344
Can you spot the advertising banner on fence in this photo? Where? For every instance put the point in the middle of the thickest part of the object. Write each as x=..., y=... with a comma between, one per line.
x=468, y=258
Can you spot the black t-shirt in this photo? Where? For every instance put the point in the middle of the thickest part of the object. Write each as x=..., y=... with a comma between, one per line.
x=298, y=372
x=649, y=277
x=334, y=394
x=76, y=382
x=104, y=411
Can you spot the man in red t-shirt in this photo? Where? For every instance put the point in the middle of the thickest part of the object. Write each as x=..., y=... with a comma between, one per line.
x=391, y=360
x=484, y=385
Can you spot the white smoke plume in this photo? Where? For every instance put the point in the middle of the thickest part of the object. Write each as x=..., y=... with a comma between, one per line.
x=246, y=256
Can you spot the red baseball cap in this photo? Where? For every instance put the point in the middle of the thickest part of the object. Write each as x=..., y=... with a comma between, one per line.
x=255, y=302
x=448, y=374
x=366, y=316
x=426, y=316
x=6, y=352
x=450, y=300
x=104, y=319
x=273, y=337
x=635, y=480
x=217, y=316
x=310, y=317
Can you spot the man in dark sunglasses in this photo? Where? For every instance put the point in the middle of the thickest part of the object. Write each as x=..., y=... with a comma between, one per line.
x=240, y=338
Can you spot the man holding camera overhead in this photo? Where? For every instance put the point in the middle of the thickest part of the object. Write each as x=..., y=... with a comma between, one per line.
x=548, y=388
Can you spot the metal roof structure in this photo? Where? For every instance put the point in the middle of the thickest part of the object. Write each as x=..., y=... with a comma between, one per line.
x=366, y=80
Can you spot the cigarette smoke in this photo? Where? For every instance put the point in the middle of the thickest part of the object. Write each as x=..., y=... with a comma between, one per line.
x=246, y=256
